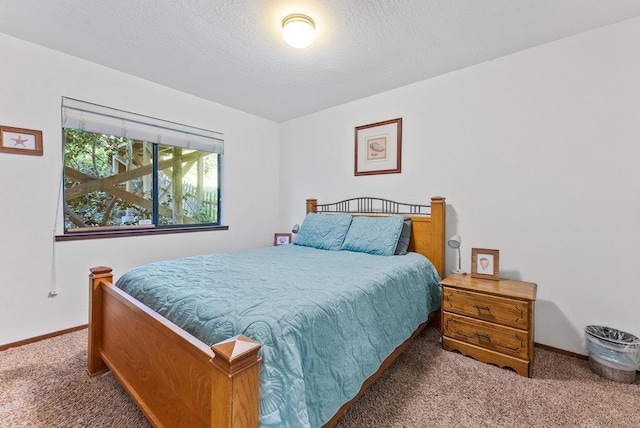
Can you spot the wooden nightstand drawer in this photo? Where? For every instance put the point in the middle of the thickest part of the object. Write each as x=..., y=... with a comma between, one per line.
x=505, y=340
x=505, y=311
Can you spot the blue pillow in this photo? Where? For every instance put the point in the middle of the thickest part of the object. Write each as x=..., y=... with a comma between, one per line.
x=374, y=235
x=325, y=232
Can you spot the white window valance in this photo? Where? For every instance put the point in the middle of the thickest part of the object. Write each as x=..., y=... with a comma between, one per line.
x=91, y=117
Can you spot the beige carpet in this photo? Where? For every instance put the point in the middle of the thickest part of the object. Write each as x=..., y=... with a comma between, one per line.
x=45, y=385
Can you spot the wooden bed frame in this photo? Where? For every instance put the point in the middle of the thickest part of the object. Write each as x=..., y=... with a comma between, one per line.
x=179, y=381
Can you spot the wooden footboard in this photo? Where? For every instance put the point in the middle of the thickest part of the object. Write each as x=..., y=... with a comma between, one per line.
x=175, y=379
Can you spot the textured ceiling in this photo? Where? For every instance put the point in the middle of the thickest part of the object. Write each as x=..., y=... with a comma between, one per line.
x=231, y=52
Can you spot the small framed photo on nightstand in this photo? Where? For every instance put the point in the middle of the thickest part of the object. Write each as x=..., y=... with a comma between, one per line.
x=282, y=239
x=485, y=263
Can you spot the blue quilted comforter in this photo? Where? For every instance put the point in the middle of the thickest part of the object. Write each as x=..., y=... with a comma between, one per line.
x=326, y=319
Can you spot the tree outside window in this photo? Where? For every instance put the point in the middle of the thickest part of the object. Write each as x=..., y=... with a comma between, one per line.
x=118, y=182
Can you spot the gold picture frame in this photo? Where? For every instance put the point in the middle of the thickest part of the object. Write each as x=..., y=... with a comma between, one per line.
x=20, y=141
x=282, y=239
x=378, y=148
x=485, y=263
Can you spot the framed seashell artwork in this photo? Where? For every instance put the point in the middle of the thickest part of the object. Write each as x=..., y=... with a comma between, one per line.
x=378, y=148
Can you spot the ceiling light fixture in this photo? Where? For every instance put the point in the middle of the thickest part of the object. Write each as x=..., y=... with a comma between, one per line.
x=298, y=30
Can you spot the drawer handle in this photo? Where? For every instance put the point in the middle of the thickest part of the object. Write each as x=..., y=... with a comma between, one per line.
x=482, y=335
x=486, y=308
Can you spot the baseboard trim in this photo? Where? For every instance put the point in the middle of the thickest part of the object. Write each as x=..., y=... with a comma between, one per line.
x=561, y=351
x=82, y=327
x=43, y=337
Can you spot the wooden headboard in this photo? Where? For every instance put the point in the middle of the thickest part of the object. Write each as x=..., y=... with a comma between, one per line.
x=428, y=221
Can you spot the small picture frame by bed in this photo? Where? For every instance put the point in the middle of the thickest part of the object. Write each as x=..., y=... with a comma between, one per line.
x=485, y=263
x=20, y=141
x=379, y=148
x=282, y=239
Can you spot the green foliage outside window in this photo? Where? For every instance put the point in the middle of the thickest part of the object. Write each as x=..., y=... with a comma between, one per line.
x=109, y=182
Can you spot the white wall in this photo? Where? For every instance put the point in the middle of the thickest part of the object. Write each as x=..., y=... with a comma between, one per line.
x=32, y=82
x=538, y=154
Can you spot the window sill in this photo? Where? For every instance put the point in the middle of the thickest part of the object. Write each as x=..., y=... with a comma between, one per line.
x=103, y=234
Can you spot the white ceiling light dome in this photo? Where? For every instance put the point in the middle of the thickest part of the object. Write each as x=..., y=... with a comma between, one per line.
x=298, y=30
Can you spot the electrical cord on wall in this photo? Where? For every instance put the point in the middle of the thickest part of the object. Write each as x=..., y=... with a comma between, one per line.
x=53, y=286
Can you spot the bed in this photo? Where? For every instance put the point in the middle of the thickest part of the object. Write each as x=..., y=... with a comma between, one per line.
x=282, y=365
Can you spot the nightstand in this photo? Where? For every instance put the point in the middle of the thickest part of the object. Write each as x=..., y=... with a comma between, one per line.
x=491, y=321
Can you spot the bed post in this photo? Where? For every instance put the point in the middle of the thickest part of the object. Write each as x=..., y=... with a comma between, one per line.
x=95, y=364
x=438, y=223
x=236, y=384
x=312, y=206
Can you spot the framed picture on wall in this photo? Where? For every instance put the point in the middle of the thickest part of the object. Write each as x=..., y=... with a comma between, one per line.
x=485, y=263
x=282, y=239
x=378, y=148
x=20, y=141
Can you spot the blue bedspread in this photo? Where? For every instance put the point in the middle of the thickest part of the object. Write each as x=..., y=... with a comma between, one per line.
x=326, y=319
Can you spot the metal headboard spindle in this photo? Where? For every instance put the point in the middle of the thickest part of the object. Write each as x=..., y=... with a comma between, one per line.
x=367, y=205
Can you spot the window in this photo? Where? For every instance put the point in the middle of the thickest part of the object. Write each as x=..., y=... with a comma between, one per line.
x=123, y=171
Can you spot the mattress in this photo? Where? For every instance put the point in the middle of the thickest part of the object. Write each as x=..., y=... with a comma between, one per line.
x=325, y=319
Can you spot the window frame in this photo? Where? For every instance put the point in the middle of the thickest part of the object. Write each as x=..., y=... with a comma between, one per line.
x=126, y=232
x=77, y=112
